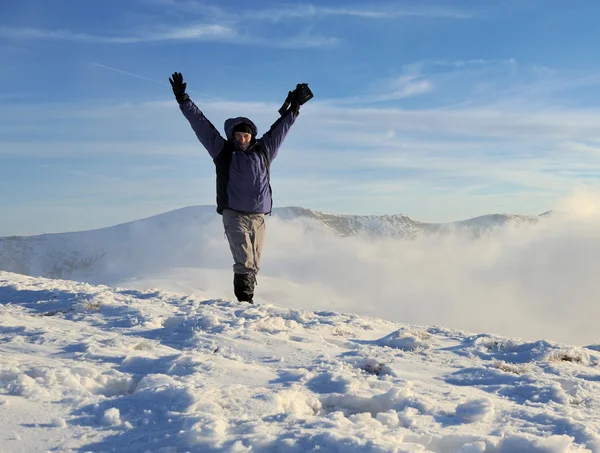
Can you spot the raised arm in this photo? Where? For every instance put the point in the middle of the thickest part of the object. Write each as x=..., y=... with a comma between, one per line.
x=205, y=131
x=289, y=111
x=208, y=135
x=273, y=139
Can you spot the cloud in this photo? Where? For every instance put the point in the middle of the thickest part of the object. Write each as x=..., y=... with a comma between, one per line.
x=310, y=11
x=81, y=148
x=400, y=87
x=302, y=41
x=583, y=205
x=534, y=150
x=393, y=13
x=489, y=122
x=231, y=22
x=476, y=62
x=190, y=32
x=220, y=24
x=537, y=282
x=184, y=33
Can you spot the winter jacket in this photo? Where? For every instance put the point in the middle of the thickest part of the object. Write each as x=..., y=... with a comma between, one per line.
x=242, y=176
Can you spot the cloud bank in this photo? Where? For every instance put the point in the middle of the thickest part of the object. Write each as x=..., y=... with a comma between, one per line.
x=535, y=282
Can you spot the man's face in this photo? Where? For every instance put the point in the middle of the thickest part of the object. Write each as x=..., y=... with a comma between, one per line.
x=243, y=139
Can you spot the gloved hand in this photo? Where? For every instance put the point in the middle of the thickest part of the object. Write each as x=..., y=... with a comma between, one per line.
x=296, y=98
x=302, y=94
x=178, y=86
x=286, y=104
x=295, y=104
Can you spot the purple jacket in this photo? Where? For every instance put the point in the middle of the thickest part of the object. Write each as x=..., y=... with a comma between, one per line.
x=242, y=176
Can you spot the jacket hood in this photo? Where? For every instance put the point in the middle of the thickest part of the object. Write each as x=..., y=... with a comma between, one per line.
x=232, y=122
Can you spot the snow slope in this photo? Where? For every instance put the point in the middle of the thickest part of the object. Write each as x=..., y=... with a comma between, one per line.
x=99, y=369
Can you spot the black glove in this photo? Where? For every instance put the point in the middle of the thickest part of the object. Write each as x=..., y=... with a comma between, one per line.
x=302, y=94
x=178, y=86
x=296, y=98
x=286, y=104
x=295, y=104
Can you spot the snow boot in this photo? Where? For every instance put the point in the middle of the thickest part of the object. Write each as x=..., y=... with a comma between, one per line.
x=243, y=287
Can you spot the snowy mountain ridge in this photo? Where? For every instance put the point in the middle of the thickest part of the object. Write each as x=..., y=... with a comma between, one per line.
x=65, y=255
x=400, y=225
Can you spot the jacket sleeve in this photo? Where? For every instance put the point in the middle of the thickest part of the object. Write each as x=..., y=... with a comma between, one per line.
x=273, y=139
x=207, y=134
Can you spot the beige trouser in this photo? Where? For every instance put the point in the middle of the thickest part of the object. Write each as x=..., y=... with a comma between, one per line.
x=246, y=234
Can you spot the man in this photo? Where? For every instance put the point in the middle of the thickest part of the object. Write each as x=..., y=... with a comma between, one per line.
x=243, y=179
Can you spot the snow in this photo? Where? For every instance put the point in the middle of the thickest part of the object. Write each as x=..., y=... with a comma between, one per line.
x=97, y=368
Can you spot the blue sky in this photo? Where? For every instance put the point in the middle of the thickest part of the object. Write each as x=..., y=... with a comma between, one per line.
x=440, y=111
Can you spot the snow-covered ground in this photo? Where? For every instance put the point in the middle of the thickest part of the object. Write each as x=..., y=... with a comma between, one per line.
x=87, y=368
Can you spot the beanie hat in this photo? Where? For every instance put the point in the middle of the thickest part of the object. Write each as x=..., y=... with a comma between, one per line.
x=243, y=127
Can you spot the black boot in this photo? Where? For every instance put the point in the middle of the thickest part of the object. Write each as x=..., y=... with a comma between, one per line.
x=243, y=287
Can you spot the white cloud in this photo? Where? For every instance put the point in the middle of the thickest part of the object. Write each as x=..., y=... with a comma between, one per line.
x=401, y=87
x=475, y=62
x=224, y=25
x=193, y=32
x=529, y=149
x=310, y=11
x=82, y=148
x=489, y=122
x=302, y=41
x=189, y=32
x=182, y=33
x=532, y=283
x=393, y=13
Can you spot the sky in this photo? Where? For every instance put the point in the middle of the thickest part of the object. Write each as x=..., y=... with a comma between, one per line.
x=438, y=110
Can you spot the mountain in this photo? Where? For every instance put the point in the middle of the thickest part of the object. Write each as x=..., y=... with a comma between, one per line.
x=399, y=225
x=181, y=237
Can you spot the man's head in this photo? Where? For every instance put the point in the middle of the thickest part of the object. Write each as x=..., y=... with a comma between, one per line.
x=242, y=134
